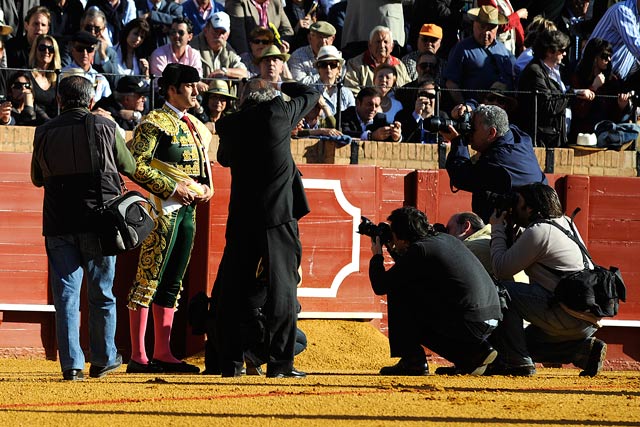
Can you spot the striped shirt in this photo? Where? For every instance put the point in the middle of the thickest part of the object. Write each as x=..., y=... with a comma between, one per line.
x=620, y=26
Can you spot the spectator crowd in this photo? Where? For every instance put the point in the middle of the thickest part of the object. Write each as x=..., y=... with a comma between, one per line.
x=574, y=62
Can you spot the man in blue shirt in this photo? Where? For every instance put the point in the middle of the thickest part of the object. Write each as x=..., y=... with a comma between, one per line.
x=620, y=26
x=480, y=60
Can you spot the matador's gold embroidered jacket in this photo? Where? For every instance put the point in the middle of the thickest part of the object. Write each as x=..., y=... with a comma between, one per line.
x=162, y=135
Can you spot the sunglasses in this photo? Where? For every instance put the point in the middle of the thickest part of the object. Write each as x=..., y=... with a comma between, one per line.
x=427, y=65
x=81, y=49
x=178, y=32
x=605, y=56
x=93, y=29
x=333, y=65
x=428, y=95
x=20, y=85
x=46, y=48
x=261, y=41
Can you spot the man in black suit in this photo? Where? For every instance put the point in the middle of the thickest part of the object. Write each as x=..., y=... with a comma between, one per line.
x=365, y=120
x=159, y=18
x=267, y=200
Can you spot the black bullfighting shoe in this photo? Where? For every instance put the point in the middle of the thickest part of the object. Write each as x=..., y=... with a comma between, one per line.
x=134, y=367
x=177, y=368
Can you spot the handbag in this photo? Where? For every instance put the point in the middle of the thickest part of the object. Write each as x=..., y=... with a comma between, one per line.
x=598, y=290
x=123, y=222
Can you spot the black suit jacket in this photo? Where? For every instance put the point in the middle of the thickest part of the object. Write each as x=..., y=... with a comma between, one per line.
x=255, y=142
x=351, y=123
x=552, y=103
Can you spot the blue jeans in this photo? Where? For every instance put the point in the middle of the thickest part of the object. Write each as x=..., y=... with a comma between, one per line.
x=553, y=336
x=70, y=256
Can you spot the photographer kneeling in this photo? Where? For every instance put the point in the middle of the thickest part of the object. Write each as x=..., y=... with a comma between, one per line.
x=438, y=295
x=556, y=334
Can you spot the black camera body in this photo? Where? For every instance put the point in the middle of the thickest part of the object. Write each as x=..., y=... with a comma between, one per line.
x=368, y=228
x=502, y=202
x=462, y=125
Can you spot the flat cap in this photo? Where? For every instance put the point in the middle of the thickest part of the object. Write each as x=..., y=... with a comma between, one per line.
x=324, y=28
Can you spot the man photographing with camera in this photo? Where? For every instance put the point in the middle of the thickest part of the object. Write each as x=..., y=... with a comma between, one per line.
x=506, y=158
x=366, y=121
x=438, y=295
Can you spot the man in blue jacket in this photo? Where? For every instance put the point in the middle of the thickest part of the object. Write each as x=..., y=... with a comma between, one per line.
x=506, y=158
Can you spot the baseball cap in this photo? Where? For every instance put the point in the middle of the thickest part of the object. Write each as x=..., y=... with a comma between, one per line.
x=220, y=20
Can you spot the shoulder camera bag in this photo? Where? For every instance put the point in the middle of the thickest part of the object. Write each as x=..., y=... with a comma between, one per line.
x=598, y=291
x=122, y=222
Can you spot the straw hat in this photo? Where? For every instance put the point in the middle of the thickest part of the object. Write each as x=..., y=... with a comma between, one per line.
x=219, y=87
x=487, y=15
x=272, y=51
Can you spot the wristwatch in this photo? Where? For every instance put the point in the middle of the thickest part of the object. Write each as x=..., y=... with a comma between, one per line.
x=224, y=70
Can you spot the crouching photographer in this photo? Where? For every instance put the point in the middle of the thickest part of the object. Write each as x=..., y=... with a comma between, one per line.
x=556, y=333
x=438, y=295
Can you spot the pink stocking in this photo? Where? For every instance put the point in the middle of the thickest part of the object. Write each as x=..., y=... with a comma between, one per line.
x=162, y=323
x=137, y=328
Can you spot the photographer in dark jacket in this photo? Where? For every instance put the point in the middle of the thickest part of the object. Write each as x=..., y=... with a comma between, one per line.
x=506, y=158
x=439, y=295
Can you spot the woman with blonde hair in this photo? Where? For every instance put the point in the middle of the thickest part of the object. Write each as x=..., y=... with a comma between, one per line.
x=44, y=59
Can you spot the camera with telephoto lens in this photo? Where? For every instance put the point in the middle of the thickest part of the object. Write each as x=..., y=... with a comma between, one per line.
x=462, y=125
x=382, y=230
x=502, y=202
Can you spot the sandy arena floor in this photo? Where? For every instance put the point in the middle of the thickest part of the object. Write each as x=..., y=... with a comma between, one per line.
x=342, y=389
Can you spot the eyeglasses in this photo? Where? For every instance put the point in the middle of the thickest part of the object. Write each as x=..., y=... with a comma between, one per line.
x=178, y=32
x=428, y=95
x=605, y=56
x=561, y=50
x=20, y=85
x=81, y=49
x=46, y=48
x=427, y=65
x=93, y=29
x=261, y=41
x=333, y=65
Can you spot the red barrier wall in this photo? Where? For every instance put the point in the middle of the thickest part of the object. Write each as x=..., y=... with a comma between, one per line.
x=335, y=258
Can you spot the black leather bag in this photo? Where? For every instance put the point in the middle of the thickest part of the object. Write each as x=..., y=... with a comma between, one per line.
x=123, y=222
x=598, y=290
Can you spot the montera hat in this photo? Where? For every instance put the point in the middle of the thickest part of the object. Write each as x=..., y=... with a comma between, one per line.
x=132, y=84
x=487, y=15
x=219, y=87
x=176, y=74
x=220, y=20
x=329, y=53
x=431, y=30
x=272, y=51
x=324, y=28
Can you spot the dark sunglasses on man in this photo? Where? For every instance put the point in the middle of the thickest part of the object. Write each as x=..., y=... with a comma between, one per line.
x=93, y=29
x=81, y=49
x=180, y=33
x=332, y=64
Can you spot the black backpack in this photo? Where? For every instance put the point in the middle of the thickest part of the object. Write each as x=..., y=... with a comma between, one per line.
x=598, y=291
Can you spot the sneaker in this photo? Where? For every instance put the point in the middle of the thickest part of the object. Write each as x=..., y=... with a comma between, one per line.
x=513, y=371
x=406, y=368
x=488, y=358
x=96, y=371
x=596, y=358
